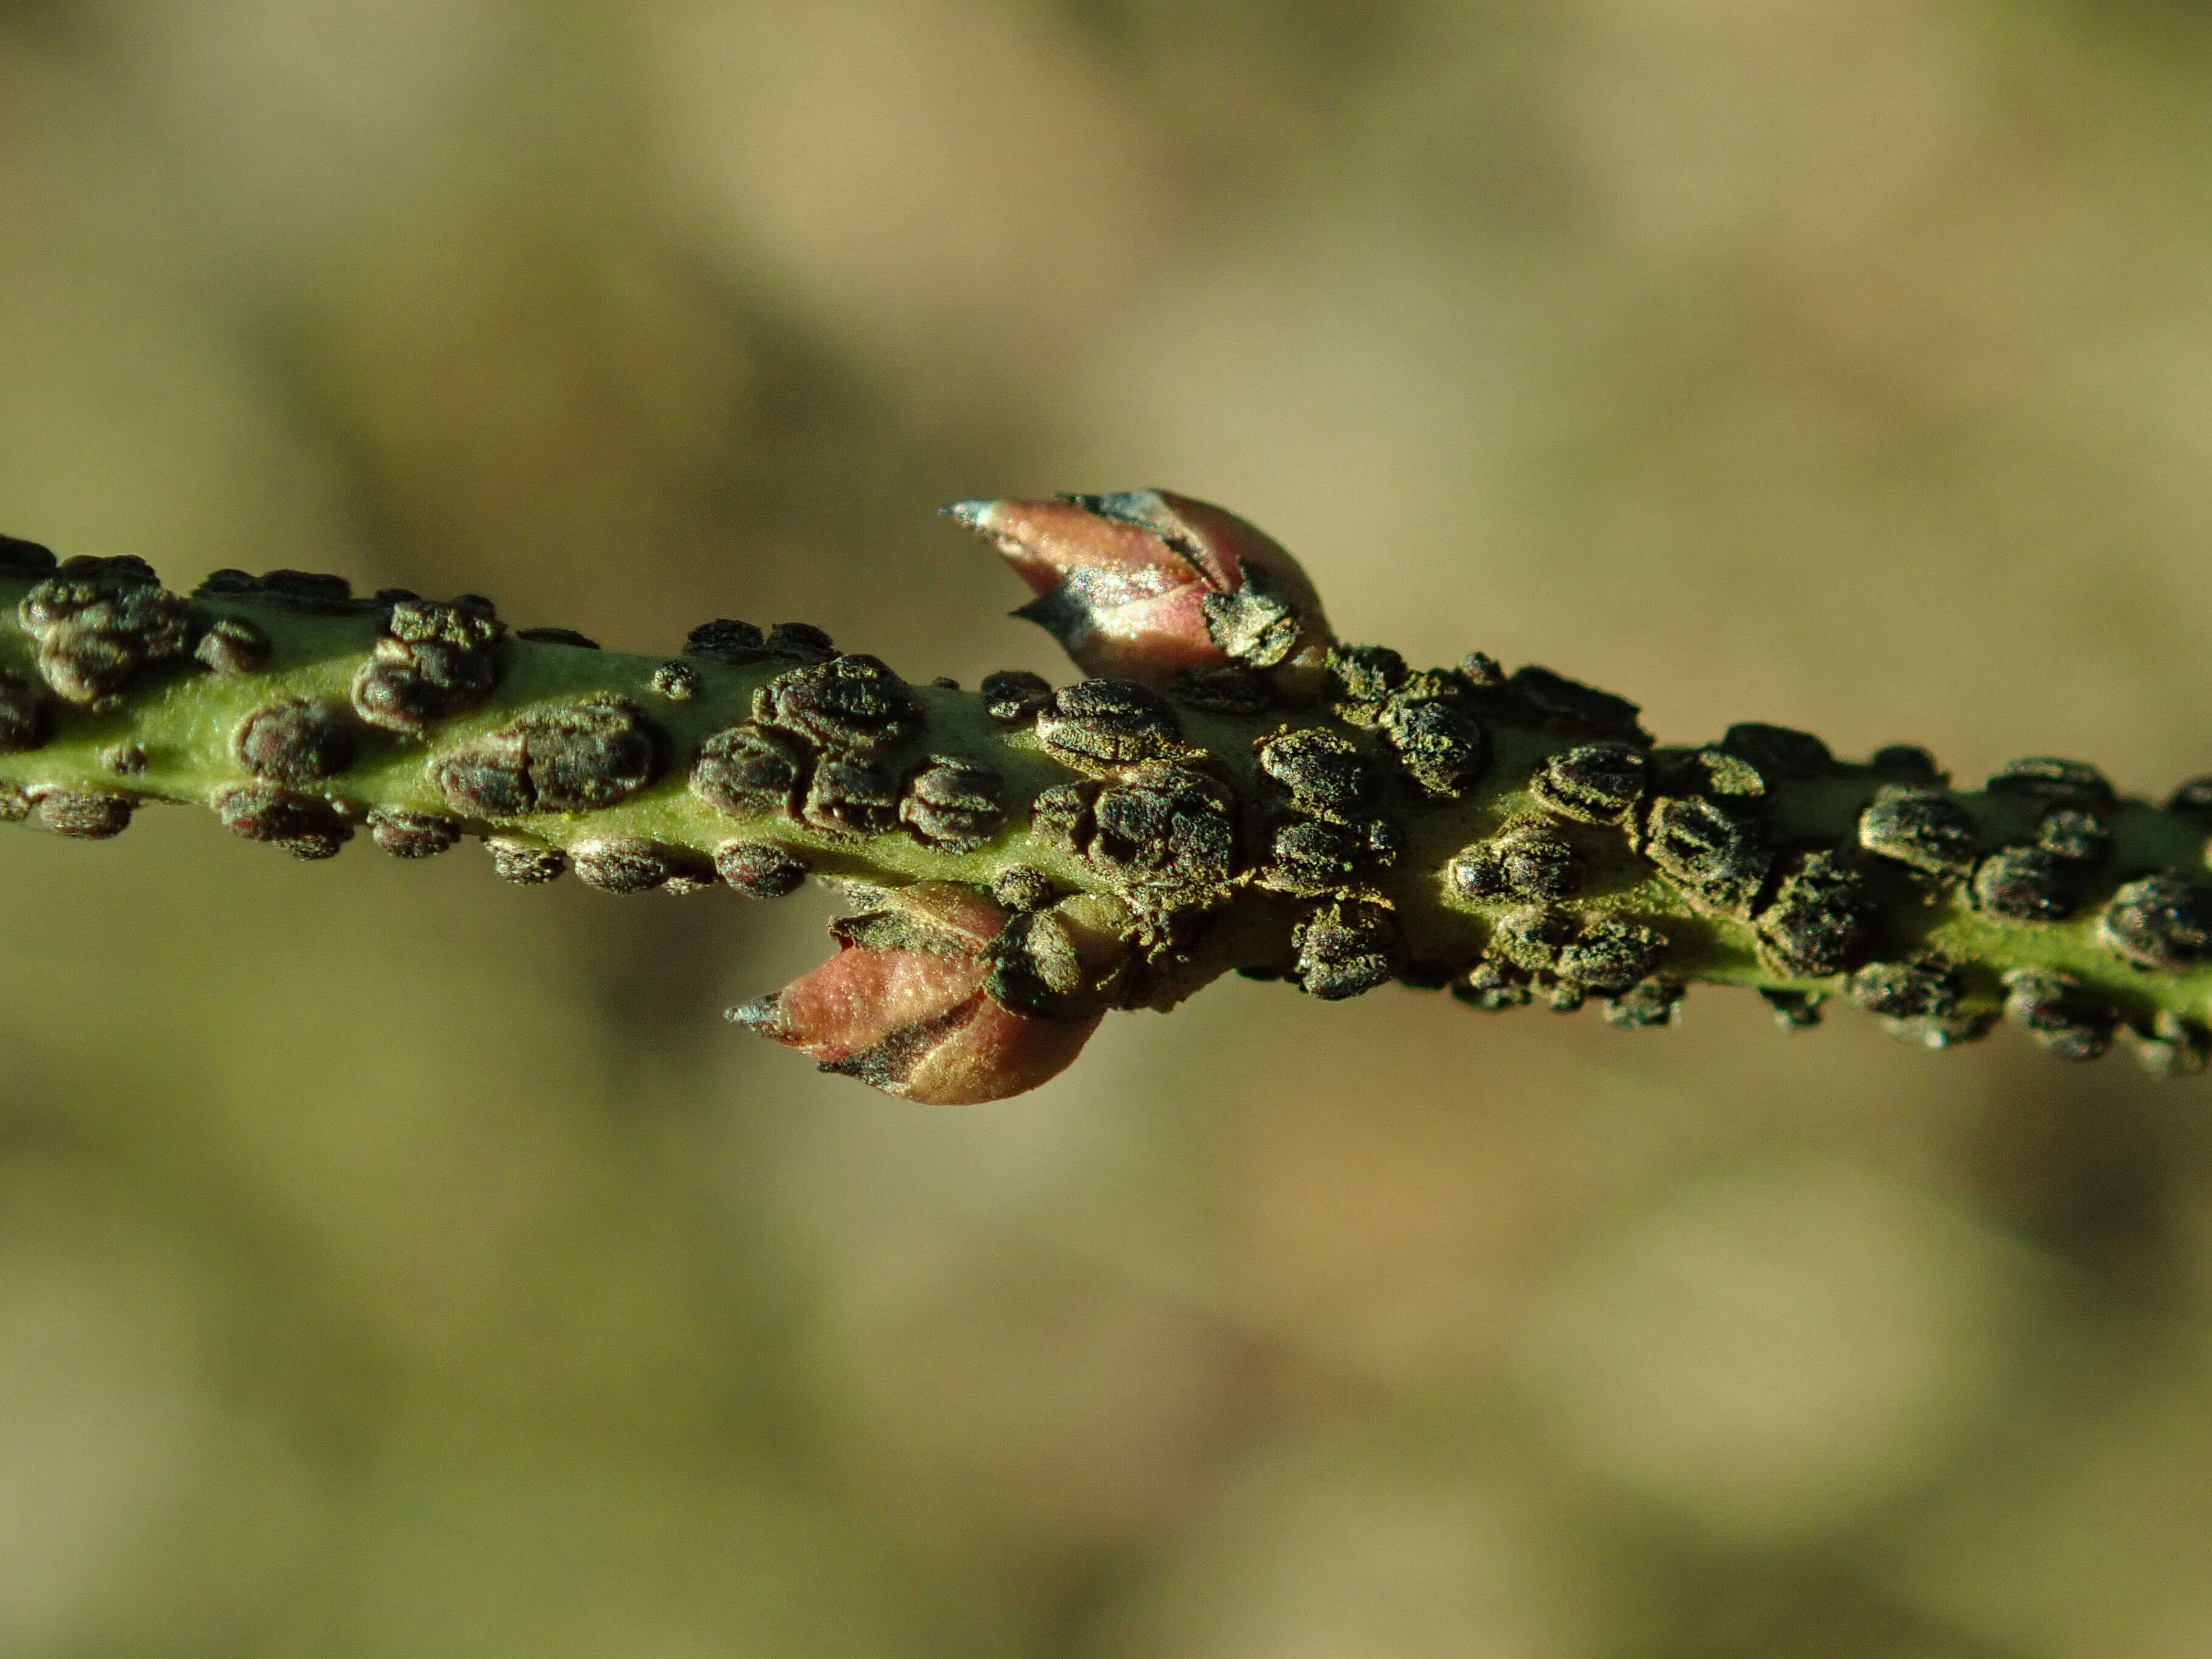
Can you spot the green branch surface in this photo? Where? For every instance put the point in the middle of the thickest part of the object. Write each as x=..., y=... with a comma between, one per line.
x=161, y=717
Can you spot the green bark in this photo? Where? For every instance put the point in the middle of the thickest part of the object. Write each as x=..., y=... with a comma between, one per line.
x=170, y=731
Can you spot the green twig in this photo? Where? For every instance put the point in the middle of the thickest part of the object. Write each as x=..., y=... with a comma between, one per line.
x=1564, y=857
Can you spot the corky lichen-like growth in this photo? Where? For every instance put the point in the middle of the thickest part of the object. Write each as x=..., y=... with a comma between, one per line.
x=1234, y=790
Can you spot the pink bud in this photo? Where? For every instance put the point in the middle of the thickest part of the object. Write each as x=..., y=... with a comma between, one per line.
x=1141, y=584
x=903, y=1004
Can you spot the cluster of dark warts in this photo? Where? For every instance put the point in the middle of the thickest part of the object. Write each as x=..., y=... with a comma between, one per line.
x=837, y=745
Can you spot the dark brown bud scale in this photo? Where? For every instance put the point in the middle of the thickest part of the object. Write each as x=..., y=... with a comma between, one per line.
x=2163, y=923
x=955, y=804
x=297, y=741
x=405, y=835
x=1109, y=723
x=759, y=869
x=82, y=815
x=305, y=826
x=1014, y=696
x=1930, y=832
x=851, y=702
x=749, y=771
x=1595, y=783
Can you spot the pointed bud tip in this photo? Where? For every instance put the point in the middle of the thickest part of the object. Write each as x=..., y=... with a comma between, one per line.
x=972, y=515
x=758, y=1015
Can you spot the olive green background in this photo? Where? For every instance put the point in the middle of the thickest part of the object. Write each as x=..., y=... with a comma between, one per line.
x=392, y=1263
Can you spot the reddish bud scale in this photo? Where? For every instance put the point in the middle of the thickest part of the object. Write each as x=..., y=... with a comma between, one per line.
x=903, y=1006
x=1142, y=585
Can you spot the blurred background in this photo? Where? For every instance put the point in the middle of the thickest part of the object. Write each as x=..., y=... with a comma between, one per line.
x=393, y=1263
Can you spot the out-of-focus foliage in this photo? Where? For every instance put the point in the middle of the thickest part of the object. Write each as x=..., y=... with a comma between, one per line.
x=392, y=1263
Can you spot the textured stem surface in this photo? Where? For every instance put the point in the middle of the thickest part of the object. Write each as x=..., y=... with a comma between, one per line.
x=1516, y=838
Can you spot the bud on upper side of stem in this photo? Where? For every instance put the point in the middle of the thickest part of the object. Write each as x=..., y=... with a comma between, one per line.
x=1147, y=585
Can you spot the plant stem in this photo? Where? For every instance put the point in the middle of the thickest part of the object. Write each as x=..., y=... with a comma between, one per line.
x=170, y=732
